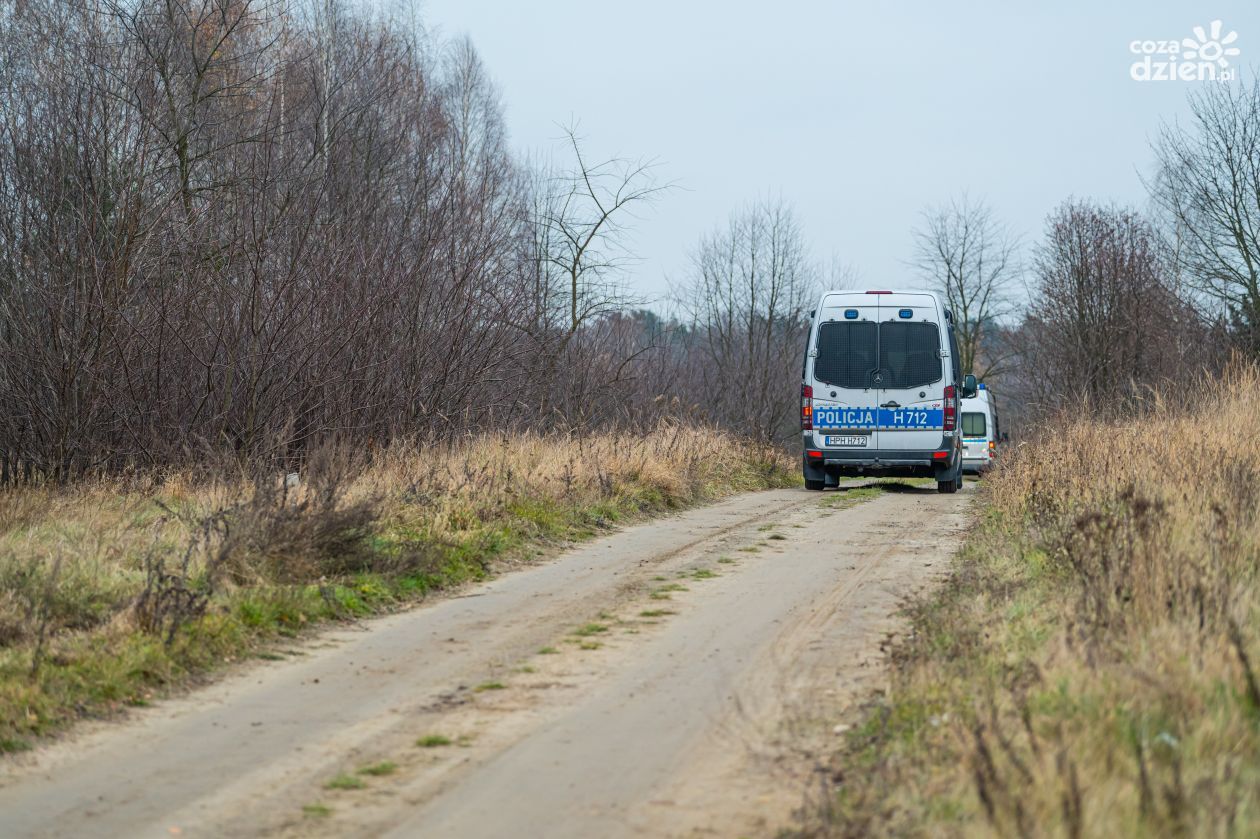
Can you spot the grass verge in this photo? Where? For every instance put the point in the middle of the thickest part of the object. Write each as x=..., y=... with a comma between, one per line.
x=1089, y=669
x=118, y=591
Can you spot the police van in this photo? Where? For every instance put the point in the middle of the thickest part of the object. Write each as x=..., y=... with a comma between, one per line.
x=881, y=388
x=980, y=430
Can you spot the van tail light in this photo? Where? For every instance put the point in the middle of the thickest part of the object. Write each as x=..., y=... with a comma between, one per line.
x=807, y=408
x=992, y=446
x=951, y=408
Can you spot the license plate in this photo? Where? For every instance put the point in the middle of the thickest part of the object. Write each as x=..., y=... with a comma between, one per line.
x=857, y=440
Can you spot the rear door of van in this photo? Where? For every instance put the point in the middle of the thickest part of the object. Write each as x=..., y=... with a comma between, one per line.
x=911, y=373
x=975, y=428
x=845, y=356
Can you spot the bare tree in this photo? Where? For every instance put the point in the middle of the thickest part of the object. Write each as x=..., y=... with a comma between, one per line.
x=1106, y=317
x=1208, y=183
x=582, y=220
x=746, y=303
x=841, y=275
x=970, y=258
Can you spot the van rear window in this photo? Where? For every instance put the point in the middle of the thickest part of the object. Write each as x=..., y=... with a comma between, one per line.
x=849, y=352
x=973, y=424
x=909, y=354
x=846, y=353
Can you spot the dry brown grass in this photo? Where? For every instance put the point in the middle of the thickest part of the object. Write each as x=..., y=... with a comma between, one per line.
x=210, y=560
x=1091, y=668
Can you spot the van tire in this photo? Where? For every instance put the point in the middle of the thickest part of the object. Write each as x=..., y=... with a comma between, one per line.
x=948, y=486
x=814, y=486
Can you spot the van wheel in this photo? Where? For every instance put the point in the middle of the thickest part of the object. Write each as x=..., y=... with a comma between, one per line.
x=948, y=486
x=814, y=486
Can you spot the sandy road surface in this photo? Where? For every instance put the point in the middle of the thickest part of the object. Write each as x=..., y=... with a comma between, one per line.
x=699, y=664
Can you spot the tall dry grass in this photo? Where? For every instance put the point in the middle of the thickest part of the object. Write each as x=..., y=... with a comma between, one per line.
x=1091, y=668
x=110, y=590
x=1157, y=517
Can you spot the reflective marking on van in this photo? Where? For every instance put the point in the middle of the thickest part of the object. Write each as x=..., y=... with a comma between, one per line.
x=883, y=418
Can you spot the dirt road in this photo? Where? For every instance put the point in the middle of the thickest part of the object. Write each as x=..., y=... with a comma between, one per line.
x=672, y=679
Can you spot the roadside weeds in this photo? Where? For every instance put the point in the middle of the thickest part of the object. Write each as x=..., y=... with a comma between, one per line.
x=1089, y=667
x=117, y=592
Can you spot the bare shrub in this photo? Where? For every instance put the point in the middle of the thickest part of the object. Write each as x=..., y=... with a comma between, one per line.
x=174, y=596
x=1108, y=319
x=296, y=527
x=57, y=592
x=747, y=308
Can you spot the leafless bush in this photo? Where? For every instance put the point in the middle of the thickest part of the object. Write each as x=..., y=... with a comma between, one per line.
x=52, y=593
x=747, y=308
x=175, y=595
x=296, y=521
x=1108, y=320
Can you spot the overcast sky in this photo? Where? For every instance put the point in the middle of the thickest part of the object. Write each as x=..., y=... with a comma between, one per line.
x=859, y=115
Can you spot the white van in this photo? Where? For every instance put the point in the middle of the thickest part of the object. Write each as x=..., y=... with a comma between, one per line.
x=881, y=389
x=980, y=431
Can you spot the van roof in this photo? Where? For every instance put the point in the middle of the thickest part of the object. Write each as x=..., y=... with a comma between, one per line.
x=882, y=290
x=980, y=400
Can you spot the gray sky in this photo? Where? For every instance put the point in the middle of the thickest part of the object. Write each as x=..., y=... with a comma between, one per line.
x=859, y=115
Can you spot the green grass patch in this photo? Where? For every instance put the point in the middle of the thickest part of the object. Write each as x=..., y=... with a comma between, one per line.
x=433, y=741
x=385, y=767
x=11, y=745
x=665, y=592
x=345, y=781
x=589, y=629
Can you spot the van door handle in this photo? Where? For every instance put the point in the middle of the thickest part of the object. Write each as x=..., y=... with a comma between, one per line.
x=890, y=405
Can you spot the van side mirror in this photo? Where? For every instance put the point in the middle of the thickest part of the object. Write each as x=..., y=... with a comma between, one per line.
x=969, y=386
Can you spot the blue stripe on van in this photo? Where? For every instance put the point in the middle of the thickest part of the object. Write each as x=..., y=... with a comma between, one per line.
x=878, y=418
